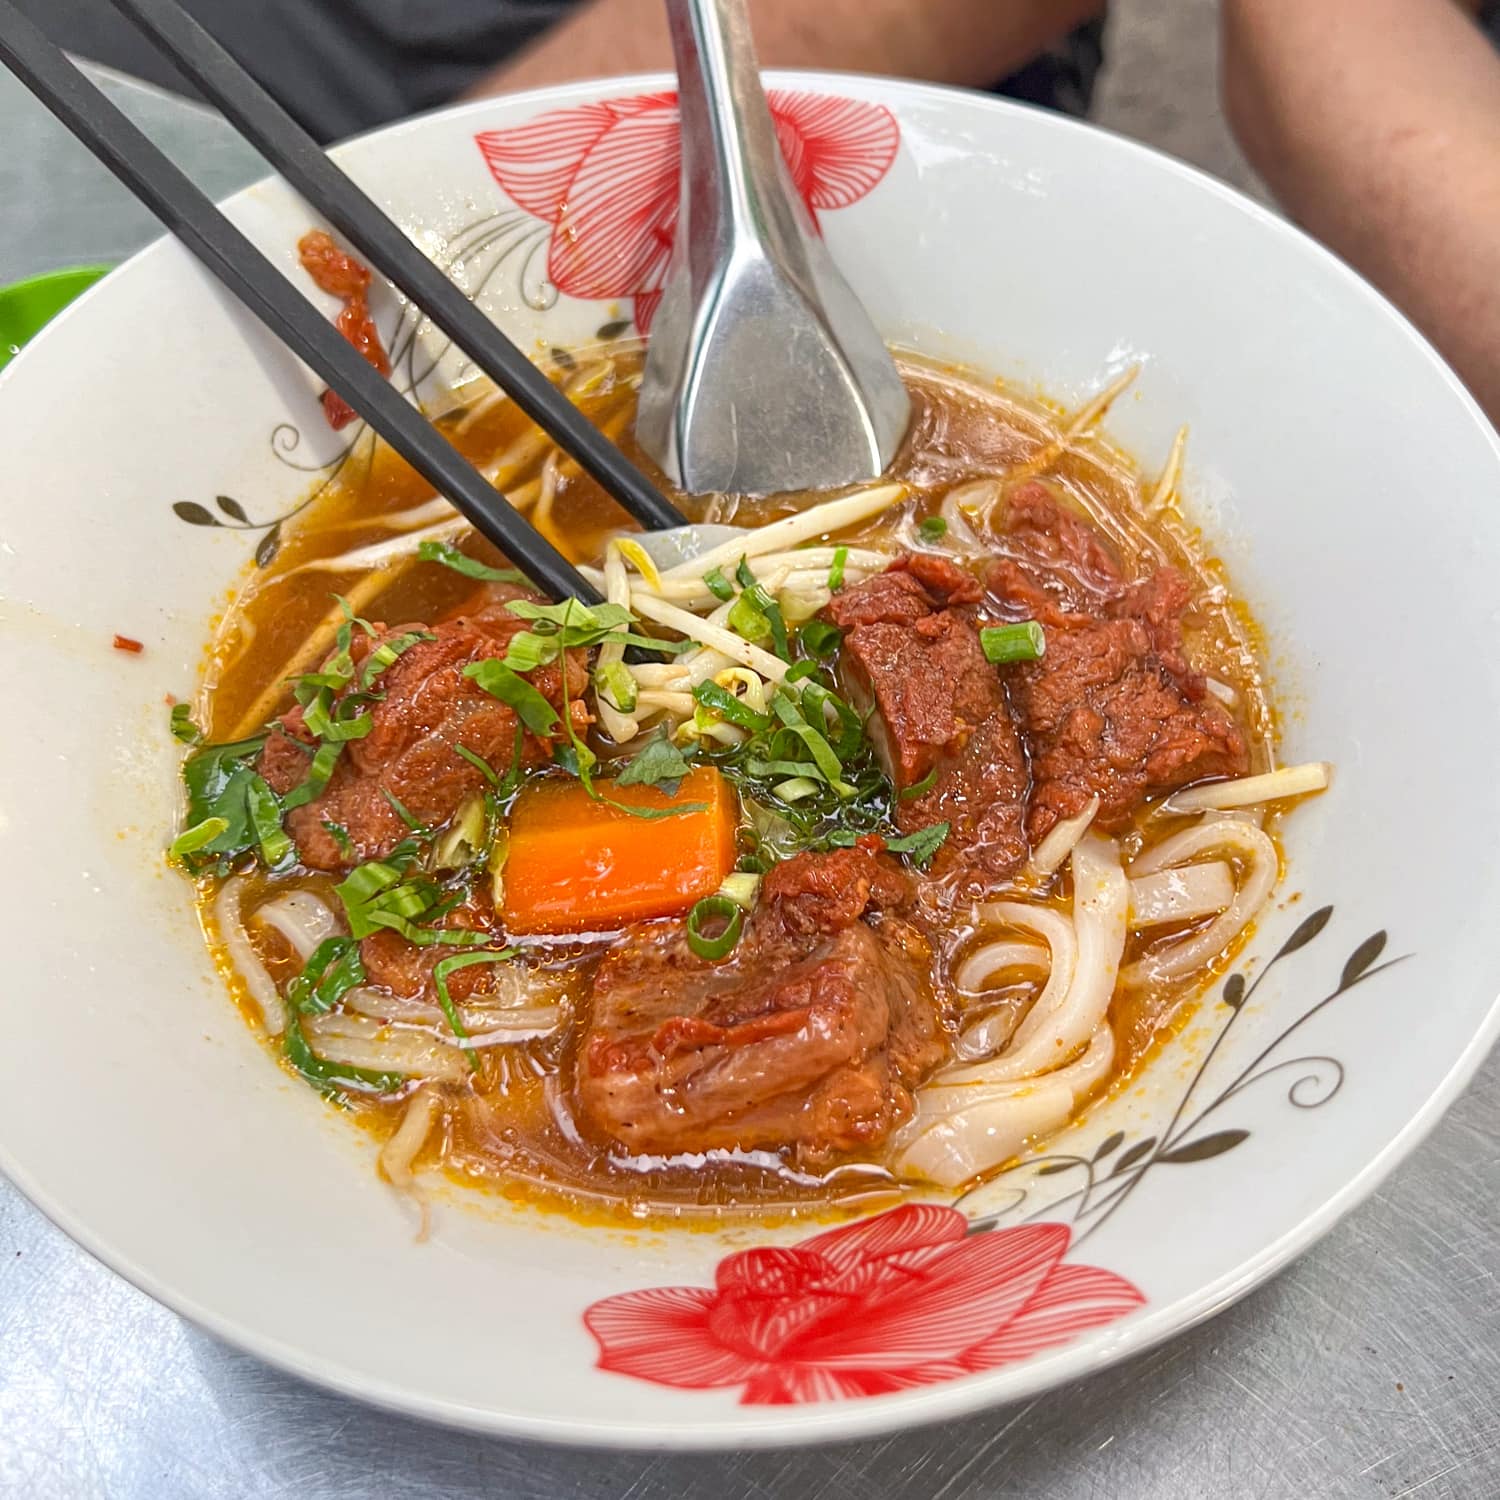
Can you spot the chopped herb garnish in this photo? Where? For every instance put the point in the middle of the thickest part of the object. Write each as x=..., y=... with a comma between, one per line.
x=561, y=627
x=932, y=528
x=479, y=763
x=615, y=683
x=715, y=912
x=470, y=567
x=729, y=708
x=759, y=615
x=828, y=763
x=182, y=725
x=325, y=758
x=328, y=1077
x=333, y=969
x=264, y=806
x=199, y=836
x=506, y=684
x=340, y=836
x=510, y=783
x=921, y=845
x=836, y=570
x=388, y=652
x=1026, y=641
x=657, y=763
x=414, y=824
x=718, y=585
x=440, y=973
x=364, y=886
x=919, y=788
x=217, y=779
x=819, y=638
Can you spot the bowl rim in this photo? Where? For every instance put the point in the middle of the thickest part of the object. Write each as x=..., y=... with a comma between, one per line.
x=758, y=1428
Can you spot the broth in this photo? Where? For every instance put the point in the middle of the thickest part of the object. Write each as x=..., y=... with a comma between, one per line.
x=511, y=1126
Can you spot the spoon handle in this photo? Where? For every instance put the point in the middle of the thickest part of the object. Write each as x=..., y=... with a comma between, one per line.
x=734, y=179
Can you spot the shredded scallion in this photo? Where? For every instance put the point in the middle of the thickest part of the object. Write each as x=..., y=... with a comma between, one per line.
x=1024, y=641
x=708, y=913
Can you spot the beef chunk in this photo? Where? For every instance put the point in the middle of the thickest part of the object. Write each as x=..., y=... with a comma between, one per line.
x=911, y=653
x=828, y=892
x=428, y=708
x=809, y=1038
x=1113, y=709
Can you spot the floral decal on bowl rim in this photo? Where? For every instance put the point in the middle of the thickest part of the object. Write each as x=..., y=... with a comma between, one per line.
x=605, y=177
x=910, y=1297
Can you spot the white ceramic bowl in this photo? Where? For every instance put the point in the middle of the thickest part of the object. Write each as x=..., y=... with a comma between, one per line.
x=1334, y=461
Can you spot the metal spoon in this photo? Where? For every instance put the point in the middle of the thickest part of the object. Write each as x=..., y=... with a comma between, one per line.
x=764, y=374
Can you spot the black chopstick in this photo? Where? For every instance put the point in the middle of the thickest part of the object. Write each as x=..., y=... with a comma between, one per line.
x=194, y=220
x=336, y=197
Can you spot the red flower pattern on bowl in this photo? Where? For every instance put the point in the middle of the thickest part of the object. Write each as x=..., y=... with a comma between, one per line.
x=605, y=176
x=907, y=1298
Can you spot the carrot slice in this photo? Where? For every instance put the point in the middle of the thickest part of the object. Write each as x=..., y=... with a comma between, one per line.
x=576, y=865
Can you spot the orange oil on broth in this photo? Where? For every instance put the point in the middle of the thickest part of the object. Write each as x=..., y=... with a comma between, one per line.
x=511, y=1128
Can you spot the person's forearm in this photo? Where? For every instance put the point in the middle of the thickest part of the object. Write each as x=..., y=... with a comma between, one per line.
x=951, y=41
x=1377, y=126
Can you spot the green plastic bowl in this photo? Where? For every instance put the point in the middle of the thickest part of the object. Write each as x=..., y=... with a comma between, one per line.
x=26, y=307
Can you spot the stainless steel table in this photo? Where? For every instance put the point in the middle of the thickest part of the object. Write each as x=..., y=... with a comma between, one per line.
x=1369, y=1369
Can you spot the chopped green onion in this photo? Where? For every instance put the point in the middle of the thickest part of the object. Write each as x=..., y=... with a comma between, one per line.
x=504, y=683
x=440, y=973
x=511, y=781
x=429, y=937
x=748, y=621
x=836, y=571
x=479, y=763
x=190, y=840
x=337, y=722
x=765, y=769
x=776, y=623
x=217, y=779
x=328, y=1077
x=801, y=670
x=333, y=969
x=362, y=886
x=822, y=752
x=798, y=789
x=728, y=707
x=387, y=653
x=182, y=725
x=715, y=909
x=325, y=758
x=718, y=585
x=340, y=836
x=817, y=702
x=265, y=819
x=740, y=888
x=615, y=683
x=1026, y=641
x=460, y=562
x=413, y=823
x=919, y=788
x=932, y=528
x=819, y=638
x=922, y=844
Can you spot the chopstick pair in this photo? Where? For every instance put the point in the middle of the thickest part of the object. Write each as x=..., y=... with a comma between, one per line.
x=192, y=217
